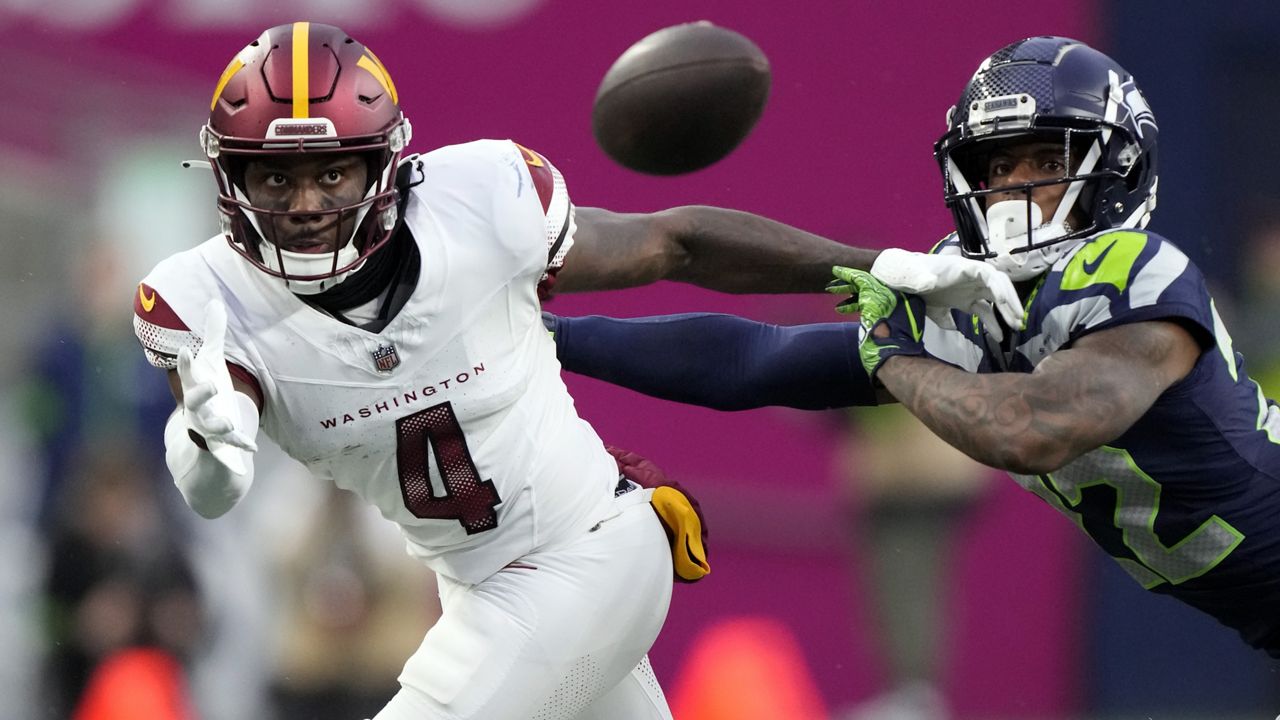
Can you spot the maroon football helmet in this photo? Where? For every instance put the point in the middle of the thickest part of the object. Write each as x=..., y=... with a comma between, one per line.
x=305, y=88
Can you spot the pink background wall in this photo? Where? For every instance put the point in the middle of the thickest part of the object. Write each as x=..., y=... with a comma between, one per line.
x=843, y=149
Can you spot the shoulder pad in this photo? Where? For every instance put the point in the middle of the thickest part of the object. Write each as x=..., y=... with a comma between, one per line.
x=159, y=328
x=541, y=171
x=1109, y=257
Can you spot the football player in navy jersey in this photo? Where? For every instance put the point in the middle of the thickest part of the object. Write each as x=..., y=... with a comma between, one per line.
x=1117, y=399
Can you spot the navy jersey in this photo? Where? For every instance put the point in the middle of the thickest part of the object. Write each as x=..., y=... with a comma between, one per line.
x=1187, y=500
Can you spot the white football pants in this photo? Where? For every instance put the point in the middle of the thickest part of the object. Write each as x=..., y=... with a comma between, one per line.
x=562, y=634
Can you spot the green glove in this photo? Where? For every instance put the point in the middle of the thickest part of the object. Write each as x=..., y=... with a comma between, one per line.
x=901, y=313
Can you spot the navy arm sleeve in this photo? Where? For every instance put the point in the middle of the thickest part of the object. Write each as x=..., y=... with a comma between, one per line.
x=718, y=361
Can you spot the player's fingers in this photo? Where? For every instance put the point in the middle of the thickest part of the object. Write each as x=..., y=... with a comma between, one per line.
x=976, y=270
x=839, y=287
x=986, y=314
x=861, y=282
x=930, y=280
x=1013, y=315
x=843, y=273
x=941, y=316
x=216, y=427
x=1004, y=295
x=184, y=363
x=229, y=455
x=238, y=439
x=197, y=395
x=1009, y=305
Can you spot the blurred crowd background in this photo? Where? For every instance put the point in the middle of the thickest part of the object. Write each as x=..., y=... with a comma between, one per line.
x=862, y=571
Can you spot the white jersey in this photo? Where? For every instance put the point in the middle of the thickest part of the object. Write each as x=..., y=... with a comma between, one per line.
x=453, y=420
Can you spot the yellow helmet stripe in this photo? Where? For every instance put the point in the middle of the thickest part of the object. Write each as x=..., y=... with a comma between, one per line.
x=375, y=67
x=395, y=97
x=232, y=69
x=301, y=67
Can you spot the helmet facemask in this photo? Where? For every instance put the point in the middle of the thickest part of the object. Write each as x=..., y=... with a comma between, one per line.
x=353, y=230
x=1003, y=224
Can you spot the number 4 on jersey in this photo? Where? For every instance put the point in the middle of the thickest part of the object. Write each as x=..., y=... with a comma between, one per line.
x=466, y=498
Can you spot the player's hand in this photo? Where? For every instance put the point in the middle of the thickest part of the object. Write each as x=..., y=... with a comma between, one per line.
x=679, y=511
x=208, y=402
x=892, y=321
x=945, y=282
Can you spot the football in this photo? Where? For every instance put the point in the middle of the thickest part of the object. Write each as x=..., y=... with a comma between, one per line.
x=680, y=99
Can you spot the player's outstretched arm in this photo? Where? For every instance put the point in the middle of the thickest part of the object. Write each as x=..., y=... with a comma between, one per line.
x=724, y=250
x=1076, y=400
x=737, y=252
x=718, y=361
x=210, y=438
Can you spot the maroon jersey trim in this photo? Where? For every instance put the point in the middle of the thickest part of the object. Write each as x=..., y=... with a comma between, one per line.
x=247, y=378
x=540, y=171
x=149, y=306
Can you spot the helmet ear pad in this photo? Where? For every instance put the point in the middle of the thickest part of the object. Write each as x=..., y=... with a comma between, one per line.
x=234, y=167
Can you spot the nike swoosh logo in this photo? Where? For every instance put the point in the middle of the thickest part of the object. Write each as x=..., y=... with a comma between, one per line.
x=1091, y=266
x=147, y=302
x=530, y=157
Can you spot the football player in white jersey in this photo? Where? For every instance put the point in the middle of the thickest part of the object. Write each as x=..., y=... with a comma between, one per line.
x=378, y=317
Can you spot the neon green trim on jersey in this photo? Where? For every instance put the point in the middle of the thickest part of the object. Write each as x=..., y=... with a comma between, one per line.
x=1031, y=296
x=1140, y=572
x=1107, y=258
x=917, y=330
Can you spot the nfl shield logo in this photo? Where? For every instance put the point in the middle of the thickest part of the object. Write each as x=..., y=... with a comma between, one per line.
x=385, y=358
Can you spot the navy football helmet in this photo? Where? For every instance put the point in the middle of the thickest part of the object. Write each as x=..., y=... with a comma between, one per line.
x=1057, y=90
x=306, y=88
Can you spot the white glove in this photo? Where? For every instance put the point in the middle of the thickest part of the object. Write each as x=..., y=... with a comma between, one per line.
x=208, y=399
x=951, y=281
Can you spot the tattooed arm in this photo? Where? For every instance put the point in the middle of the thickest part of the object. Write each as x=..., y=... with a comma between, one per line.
x=1076, y=400
x=720, y=249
